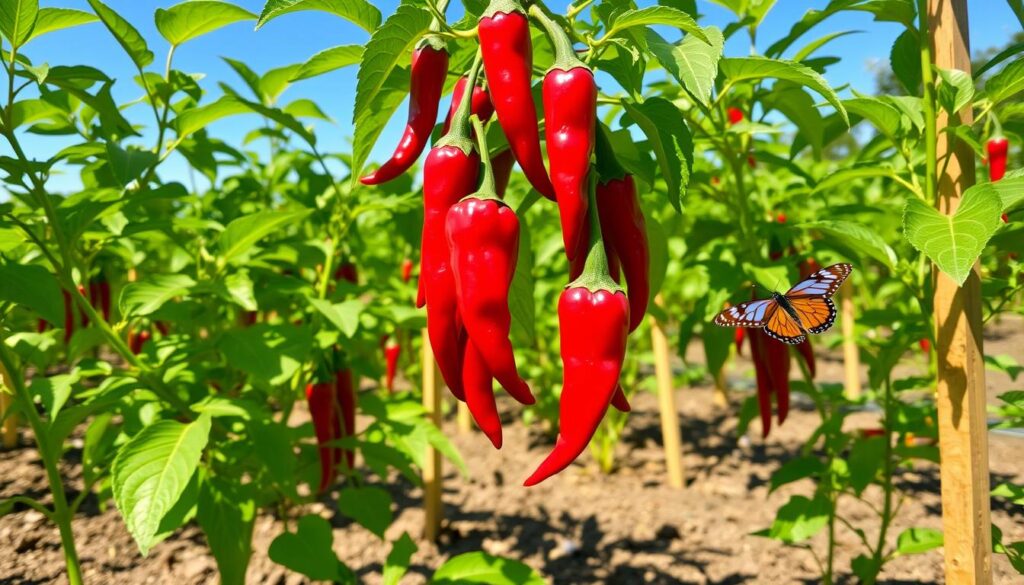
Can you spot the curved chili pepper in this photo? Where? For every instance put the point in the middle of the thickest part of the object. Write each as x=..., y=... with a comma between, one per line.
x=483, y=234
x=406, y=270
x=735, y=115
x=449, y=174
x=320, y=397
x=570, y=119
x=392, y=351
x=593, y=317
x=480, y=107
x=619, y=400
x=997, y=149
x=345, y=397
x=508, y=62
x=476, y=381
x=429, y=69
x=136, y=341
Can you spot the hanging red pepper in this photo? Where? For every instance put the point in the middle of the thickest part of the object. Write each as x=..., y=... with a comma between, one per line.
x=483, y=234
x=738, y=339
x=998, y=147
x=345, y=395
x=624, y=229
x=619, y=400
x=347, y=271
x=771, y=366
x=480, y=107
x=320, y=397
x=508, y=61
x=502, y=163
x=406, y=270
x=449, y=174
x=570, y=120
x=593, y=317
x=136, y=341
x=429, y=69
x=476, y=381
x=392, y=351
x=99, y=295
x=735, y=115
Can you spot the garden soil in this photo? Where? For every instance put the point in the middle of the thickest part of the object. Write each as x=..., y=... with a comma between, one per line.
x=578, y=527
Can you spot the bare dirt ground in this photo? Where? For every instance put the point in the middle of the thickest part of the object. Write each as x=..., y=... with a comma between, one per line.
x=578, y=527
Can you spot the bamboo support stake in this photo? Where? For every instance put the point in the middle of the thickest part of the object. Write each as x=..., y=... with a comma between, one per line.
x=432, y=465
x=963, y=434
x=9, y=424
x=851, y=354
x=667, y=405
x=463, y=419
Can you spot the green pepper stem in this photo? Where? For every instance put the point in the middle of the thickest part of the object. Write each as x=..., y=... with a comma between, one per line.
x=565, y=54
x=595, y=275
x=488, y=189
x=458, y=133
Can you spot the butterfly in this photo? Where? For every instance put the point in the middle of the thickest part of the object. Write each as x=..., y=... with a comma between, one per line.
x=805, y=308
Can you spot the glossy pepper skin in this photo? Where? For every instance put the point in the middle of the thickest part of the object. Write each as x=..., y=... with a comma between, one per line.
x=484, y=238
x=320, y=397
x=570, y=121
x=476, y=381
x=406, y=270
x=625, y=232
x=735, y=115
x=392, y=351
x=508, y=62
x=997, y=149
x=429, y=69
x=480, y=106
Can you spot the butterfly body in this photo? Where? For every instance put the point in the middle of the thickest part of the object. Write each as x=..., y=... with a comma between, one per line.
x=804, y=309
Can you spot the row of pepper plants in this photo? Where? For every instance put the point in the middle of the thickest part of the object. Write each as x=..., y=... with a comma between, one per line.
x=281, y=273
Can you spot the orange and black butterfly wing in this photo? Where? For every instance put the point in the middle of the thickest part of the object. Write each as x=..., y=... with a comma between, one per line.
x=823, y=283
x=816, y=314
x=748, y=314
x=782, y=327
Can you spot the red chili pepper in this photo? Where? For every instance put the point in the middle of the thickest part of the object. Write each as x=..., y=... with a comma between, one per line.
x=619, y=400
x=624, y=229
x=751, y=161
x=771, y=367
x=476, y=381
x=781, y=217
x=347, y=271
x=483, y=234
x=508, y=61
x=136, y=341
x=481, y=105
x=593, y=316
x=162, y=327
x=502, y=163
x=83, y=316
x=449, y=174
x=327, y=425
x=735, y=115
x=998, y=148
x=345, y=394
x=406, y=270
x=392, y=351
x=926, y=345
x=570, y=120
x=738, y=339
x=429, y=69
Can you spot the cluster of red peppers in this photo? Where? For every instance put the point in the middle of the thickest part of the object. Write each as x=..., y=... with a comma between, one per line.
x=332, y=406
x=470, y=240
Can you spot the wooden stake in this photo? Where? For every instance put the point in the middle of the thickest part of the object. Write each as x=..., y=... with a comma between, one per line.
x=9, y=426
x=432, y=465
x=963, y=434
x=851, y=354
x=463, y=419
x=667, y=406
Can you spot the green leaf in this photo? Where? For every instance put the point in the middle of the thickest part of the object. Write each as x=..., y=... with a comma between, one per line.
x=151, y=471
x=53, y=391
x=918, y=540
x=820, y=42
x=521, y=302
x=755, y=68
x=866, y=458
x=126, y=34
x=238, y=287
x=657, y=15
x=273, y=83
x=1006, y=83
x=388, y=44
x=800, y=519
x=692, y=62
x=663, y=124
x=798, y=107
x=862, y=241
x=795, y=470
x=398, y=559
x=242, y=234
x=842, y=177
x=188, y=20
x=32, y=286
x=370, y=123
x=358, y=12
x=269, y=353
x=344, y=316
x=369, y=506
x=884, y=117
x=309, y=550
x=1010, y=190
x=956, y=91
x=17, y=19
x=147, y=295
x=128, y=165
x=226, y=514
x=195, y=119
x=905, y=61
x=329, y=60
x=480, y=568
x=54, y=19
x=955, y=242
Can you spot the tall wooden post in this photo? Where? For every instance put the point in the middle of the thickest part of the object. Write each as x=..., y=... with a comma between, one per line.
x=463, y=418
x=851, y=354
x=667, y=405
x=432, y=465
x=9, y=424
x=963, y=438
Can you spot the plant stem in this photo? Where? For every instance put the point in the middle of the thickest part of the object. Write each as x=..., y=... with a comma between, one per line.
x=928, y=104
x=887, y=470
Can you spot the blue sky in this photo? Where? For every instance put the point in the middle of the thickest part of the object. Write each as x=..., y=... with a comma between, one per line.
x=293, y=38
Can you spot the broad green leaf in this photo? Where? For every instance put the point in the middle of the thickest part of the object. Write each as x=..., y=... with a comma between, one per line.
x=282, y=118
x=866, y=458
x=884, y=117
x=147, y=295
x=239, y=288
x=34, y=287
x=188, y=20
x=226, y=514
x=269, y=353
x=398, y=559
x=955, y=242
x=798, y=106
x=692, y=62
x=977, y=73
x=17, y=19
x=53, y=391
x=918, y=540
x=754, y=68
x=905, y=61
x=388, y=44
x=128, y=165
x=663, y=124
x=359, y=12
x=369, y=506
x=196, y=119
x=273, y=83
x=242, y=234
x=151, y=471
x=329, y=60
x=795, y=470
x=901, y=11
x=250, y=77
x=859, y=239
x=344, y=316
x=842, y=177
x=1006, y=83
x=956, y=91
x=305, y=108
x=54, y=19
x=657, y=15
x=820, y=42
x=1010, y=189
x=521, y=302
x=126, y=34
x=800, y=519
x=308, y=550
x=480, y=568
